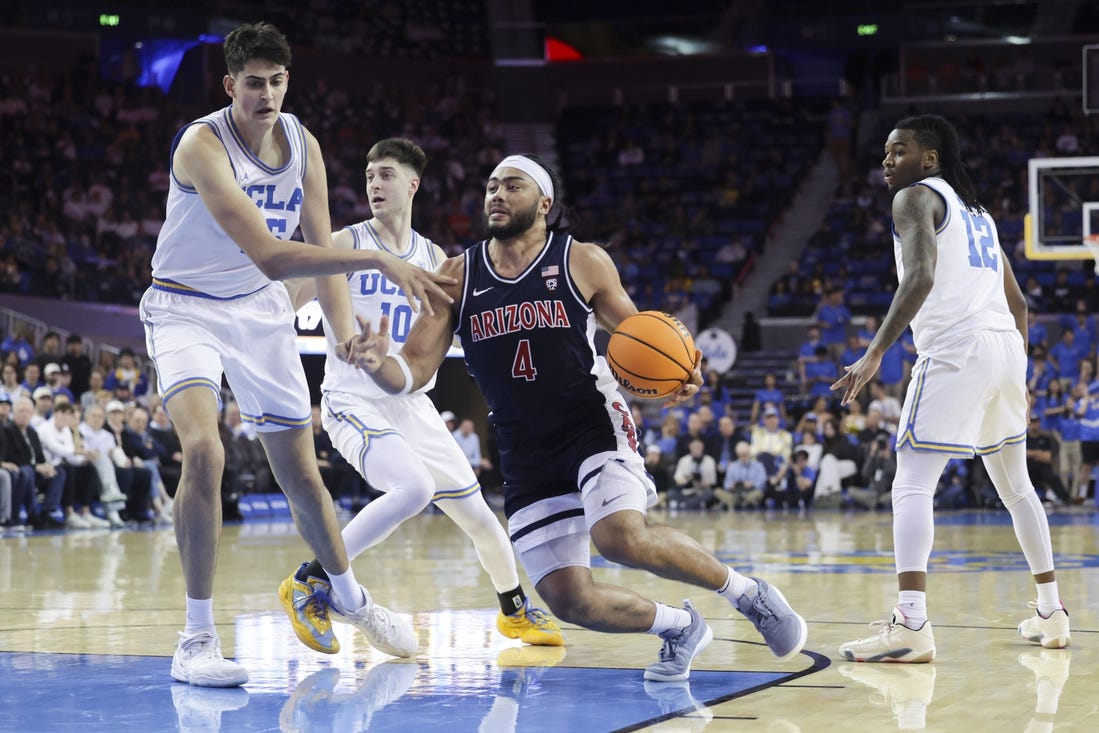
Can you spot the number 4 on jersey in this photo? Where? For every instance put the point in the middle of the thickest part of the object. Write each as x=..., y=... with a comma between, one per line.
x=523, y=366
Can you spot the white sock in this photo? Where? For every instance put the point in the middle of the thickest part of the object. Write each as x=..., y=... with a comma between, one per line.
x=669, y=617
x=350, y=594
x=200, y=615
x=913, y=604
x=737, y=585
x=1049, y=600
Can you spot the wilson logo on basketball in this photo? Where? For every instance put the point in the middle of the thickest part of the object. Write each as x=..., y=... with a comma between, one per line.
x=637, y=390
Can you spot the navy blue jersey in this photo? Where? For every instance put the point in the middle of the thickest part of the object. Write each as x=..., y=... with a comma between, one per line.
x=528, y=343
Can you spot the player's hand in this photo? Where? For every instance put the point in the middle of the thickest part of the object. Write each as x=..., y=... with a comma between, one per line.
x=369, y=348
x=691, y=386
x=417, y=283
x=858, y=374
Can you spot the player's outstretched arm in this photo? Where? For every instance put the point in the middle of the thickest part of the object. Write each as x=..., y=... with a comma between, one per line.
x=423, y=351
x=200, y=161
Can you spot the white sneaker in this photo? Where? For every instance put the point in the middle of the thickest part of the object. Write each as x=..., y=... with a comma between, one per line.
x=1051, y=632
x=386, y=631
x=198, y=710
x=198, y=661
x=76, y=521
x=111, y=495
x=95, y=522
x=894, y=643
x=114, y=520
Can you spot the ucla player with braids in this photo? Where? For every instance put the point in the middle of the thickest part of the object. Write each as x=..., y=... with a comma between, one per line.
x=399, y=442
x=968, y=392
x=530, y=301
x=243, y=179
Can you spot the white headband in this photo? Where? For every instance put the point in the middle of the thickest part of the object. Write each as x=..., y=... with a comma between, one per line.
x=532, y=169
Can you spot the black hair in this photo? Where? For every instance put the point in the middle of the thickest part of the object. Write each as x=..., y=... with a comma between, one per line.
x=561, y=223
x=401, y=150
x=933, y=132
x=255, y=41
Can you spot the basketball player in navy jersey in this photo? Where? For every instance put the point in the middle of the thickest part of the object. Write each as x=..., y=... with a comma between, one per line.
x=400, y=442
x=968, y=391
x=242, y=179
x=527, y=310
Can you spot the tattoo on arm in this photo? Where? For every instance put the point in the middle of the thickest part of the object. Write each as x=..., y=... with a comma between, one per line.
x=914, y=215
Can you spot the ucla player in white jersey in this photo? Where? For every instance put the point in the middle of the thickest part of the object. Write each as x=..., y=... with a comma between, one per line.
x=527, y=309
x=968, y=391
x=399, y=442
x=243, y=178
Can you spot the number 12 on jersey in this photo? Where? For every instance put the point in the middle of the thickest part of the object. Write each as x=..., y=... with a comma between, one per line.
x=981, y=244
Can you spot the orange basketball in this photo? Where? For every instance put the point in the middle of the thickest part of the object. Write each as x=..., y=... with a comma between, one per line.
x=651, y=354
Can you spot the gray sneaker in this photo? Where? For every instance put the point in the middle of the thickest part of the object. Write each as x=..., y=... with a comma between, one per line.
x=680, y=647
x=386, y=631
x=784, y=631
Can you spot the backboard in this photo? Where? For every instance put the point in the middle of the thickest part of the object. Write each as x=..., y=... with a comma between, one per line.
x=1063, y=208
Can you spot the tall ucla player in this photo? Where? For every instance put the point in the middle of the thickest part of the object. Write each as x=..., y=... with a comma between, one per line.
x=399, y=442
x=968, y=391
x=243, y=178
x=526, y=313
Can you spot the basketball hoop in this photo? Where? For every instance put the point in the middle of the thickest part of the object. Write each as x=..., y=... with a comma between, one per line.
x=1092, y=243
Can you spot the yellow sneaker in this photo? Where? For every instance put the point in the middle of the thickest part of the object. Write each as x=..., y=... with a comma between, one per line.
x=531, y=625
x=306, y=605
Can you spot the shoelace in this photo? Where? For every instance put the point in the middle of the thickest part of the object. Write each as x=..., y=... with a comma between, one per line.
x=196, y=644
x=316, y=599
x=882, y=626
x=381, y=621
x=537, y=617
x=670, y=649
x=765, y=614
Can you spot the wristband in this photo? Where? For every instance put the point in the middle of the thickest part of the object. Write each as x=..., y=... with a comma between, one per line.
x=405, y=371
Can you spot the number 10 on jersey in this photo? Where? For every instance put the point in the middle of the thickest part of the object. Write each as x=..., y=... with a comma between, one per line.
x=400, y=320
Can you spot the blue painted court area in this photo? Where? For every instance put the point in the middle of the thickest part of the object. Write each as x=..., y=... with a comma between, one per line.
x=71, y=692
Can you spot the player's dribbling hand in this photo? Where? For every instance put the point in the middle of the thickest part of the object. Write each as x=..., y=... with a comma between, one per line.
x=858, y=374
x=416, y=282
x=691, y=386
x=369, y=348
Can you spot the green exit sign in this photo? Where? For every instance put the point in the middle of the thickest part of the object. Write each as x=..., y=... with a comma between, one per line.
x=108, y=19
x=867, y=29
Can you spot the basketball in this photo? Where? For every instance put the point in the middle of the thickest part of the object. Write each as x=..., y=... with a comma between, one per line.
x=651, y=354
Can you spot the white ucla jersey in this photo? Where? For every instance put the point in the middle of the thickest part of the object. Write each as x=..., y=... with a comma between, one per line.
x=968, y=294
x=193, y=254
x=372, y=296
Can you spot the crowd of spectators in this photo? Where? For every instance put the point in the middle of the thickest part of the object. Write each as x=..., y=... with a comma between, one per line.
x=685, y=194
x=88, y=160
x=853, y=248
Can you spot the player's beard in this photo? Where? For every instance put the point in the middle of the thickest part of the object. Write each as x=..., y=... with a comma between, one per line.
x=520, y=222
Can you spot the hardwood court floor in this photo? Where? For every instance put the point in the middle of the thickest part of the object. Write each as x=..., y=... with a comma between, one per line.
x=89, y=621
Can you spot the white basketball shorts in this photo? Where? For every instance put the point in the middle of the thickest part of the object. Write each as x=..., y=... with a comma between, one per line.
x=359, y=428
x=194, y=339
x=976, y=408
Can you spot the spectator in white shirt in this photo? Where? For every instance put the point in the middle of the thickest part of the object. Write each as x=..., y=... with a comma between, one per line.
x=60, y=447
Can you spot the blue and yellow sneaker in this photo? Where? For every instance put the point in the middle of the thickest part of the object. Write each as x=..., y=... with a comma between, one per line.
x=306, y=605
x=531, y=625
